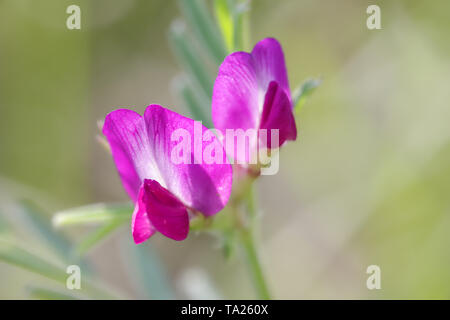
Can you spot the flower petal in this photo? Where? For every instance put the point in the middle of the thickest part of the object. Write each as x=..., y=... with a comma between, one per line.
x=141, y=227
x=235, y=101
x=127, y=136
x=269, y=62
x=240, y=91
x=277, y=114
x=166, y=213
x=201, y=186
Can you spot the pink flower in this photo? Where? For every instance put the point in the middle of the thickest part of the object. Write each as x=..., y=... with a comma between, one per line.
x=163, y=191
x=252, y=92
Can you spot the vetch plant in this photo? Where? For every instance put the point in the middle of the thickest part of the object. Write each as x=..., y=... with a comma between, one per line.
x=190, y=147
x=249, y=108
x=173, y=187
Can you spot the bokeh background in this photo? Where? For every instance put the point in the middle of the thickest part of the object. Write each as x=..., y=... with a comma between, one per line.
x=367, y=182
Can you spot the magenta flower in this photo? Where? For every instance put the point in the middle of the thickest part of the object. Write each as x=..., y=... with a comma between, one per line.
x=163, y=191
x=252, y=92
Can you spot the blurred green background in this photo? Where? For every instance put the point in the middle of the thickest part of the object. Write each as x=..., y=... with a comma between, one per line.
x=367, y=182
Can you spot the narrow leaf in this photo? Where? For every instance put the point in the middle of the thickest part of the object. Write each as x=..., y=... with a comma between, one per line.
x=197, y=104
x=241, y=12
x=48, y=294
x=190, y=60
x=23, y=258
x=93, y=214
x=41, y=225
x=15, y=255
x=204, y=28
x=96, y=237
x=225, y=18
x=303, y=92
x=147, y=271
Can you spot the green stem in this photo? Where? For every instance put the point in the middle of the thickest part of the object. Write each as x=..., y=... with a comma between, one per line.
x=254, y=264
x=249, y=245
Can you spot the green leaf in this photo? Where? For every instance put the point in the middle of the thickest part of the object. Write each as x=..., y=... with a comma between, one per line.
x=41, y=225
x=204, y=28
x=197, y=104
x=225, y=18
x=97, y=236
x=232, y=17
x=190, y=60
x=242, y=25
x=15, y=255
x=147, y=270
x=48, y=294
x=303, y=92
x=93, y=214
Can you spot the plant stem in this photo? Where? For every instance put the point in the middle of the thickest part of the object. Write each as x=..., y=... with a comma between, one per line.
x=249, y=245
x=254, y=264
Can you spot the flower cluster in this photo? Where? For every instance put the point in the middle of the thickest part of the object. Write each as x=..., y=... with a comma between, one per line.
x=251, y=94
